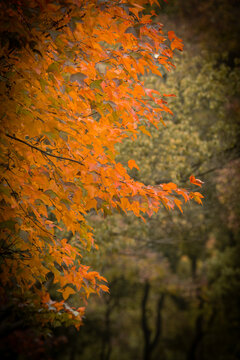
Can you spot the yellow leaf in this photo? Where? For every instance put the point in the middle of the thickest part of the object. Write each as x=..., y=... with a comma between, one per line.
x=67, y=291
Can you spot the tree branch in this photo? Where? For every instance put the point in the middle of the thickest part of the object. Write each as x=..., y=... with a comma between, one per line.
x=43, y=151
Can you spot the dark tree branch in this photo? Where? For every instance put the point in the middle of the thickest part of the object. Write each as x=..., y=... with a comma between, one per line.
x=43, y=151
x=216, y=168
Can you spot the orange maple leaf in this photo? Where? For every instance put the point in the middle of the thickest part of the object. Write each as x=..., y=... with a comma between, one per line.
x=132, y=164
x=195, y=181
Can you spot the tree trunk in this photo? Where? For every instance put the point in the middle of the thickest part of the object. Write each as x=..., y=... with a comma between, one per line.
x=150, y=345
x=106, y=340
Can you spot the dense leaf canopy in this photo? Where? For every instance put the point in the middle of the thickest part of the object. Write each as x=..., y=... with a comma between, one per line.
x=70, y=92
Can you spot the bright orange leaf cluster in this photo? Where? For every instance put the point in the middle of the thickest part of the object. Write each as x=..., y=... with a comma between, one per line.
x=70, y=92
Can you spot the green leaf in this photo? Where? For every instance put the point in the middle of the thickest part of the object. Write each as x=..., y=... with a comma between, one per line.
x=5, y=190
x=50, y=193
x=96, y=85
x=54, y=67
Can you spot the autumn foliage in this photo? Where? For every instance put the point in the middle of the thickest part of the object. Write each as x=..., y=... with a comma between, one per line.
x=70, y=92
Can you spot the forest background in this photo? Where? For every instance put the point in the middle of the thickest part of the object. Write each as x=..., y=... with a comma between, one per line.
x=174, y=280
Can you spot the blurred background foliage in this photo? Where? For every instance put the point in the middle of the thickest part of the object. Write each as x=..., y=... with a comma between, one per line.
x=175, y=279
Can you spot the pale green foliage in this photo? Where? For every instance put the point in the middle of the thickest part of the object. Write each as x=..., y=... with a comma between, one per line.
x=199, y=131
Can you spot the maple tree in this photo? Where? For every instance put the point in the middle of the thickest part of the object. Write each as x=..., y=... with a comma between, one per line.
x=70, y=92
